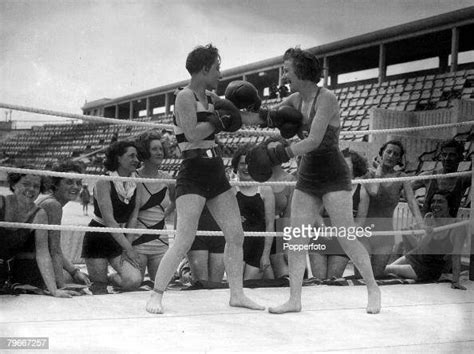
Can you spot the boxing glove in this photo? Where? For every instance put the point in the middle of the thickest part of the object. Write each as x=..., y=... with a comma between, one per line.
x=244, y=95
x=262, y=158
x=226, y=117
x=286, y=118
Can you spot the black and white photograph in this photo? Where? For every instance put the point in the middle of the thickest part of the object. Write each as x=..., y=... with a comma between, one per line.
x=236, y=176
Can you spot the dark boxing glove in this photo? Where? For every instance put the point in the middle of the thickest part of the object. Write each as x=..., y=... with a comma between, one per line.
x=226, y=117
x=244, y=95
x=261, y=159
x=286, y=118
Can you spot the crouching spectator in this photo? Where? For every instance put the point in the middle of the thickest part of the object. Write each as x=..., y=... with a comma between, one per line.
x=25, y=253
x=428, y=260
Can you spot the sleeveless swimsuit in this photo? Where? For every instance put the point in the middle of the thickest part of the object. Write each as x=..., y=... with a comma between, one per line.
x=381, y=208
x=204, y=176
x=252, y=211
x=428, y=263
x=324, y=169
x=151, y=216
x=101, y=244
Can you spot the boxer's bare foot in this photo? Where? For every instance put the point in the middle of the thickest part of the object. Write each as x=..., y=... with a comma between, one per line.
x=374, y=302
x=289, y=306
x=244, y=301
x=154, y=303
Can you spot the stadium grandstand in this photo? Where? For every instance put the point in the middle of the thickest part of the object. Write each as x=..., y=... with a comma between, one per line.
x=376, y=77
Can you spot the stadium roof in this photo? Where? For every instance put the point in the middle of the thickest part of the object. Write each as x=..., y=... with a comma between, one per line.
x=415, y=40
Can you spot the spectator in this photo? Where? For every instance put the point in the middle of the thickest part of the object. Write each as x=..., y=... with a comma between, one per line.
x=155, y=203
x=451, y=154
x=85, y=197
x=332, y=262
x=384, y=198
x=283, y=195
x=257, y=210
x=206, y=257
x=114, y=202
x=427, y=261
x=26, y=251
x=63, y=190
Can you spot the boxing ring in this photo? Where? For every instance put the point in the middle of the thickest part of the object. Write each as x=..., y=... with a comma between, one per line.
x=428, y=317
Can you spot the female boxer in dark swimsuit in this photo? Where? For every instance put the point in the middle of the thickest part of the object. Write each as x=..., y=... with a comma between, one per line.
x=323, y=176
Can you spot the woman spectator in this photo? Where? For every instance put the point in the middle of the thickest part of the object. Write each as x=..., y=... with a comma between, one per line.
x=257, y=210
x=283, y=195
x=384, y=198
x=332, y=262
x=206, y=256
x=427, y=261
x=26, y=251
x=155, y=202
x=63, y=190
x=114, y=203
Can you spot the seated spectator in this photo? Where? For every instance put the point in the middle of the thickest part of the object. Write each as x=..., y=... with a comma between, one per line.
x=24, y=253
x=451, y=154
x=332, y=262
x=62, y=190
x=206, y=257
x=257, y=210
x=283, y=195
x=427, y=261
x=155, y=203
x=114, y=203
x=85, y=197
x=384, y=198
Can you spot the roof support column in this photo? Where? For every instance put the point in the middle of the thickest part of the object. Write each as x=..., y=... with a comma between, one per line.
x=325, y=70
x=167, y=103
x=148, y=108
x=130, y=113
x=382, y=63
x=454, y=48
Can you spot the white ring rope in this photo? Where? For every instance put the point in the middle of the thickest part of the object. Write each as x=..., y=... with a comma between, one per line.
x=234, y=183
x=244, y=131
x=204, y=233
x=172, y=181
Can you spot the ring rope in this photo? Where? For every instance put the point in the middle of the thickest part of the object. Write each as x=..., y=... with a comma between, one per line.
x=204, y=233
x=246, y=131
x=234, y=183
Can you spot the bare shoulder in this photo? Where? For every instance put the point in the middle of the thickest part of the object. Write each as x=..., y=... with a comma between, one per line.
x=326, y=94
x=41, y=217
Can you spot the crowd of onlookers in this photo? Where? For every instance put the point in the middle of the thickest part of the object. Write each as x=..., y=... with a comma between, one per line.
x=34, y=256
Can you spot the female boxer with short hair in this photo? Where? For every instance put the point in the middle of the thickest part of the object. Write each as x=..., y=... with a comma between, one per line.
x=201, y=180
